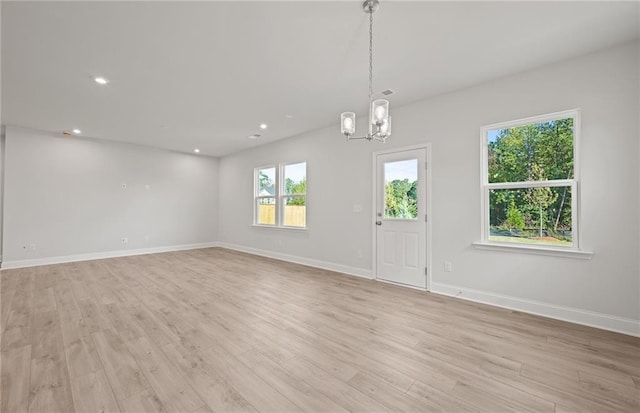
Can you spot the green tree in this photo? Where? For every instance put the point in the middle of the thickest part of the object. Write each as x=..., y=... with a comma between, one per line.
x=540, y=198
x=292, y=187
x=531, y=153
x=401, y=200
x=265, y=181
x=514, y=220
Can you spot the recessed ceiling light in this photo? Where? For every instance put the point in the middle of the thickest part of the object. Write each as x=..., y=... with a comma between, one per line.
x=77, y=131
x=254, y=136
x=101, y=80
x=263, y=126
x=196, y=150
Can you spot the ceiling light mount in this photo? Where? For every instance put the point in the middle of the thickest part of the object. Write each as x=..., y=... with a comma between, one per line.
x=370, y=6
x=379, y=118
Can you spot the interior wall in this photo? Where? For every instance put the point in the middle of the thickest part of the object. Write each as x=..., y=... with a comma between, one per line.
x=64, y=197
x=2, y=162
x=638, y=119
x=1, y=148
x=603, y=85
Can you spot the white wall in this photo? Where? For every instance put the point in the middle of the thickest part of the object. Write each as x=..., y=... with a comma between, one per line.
x=1, y=147
x=638, y=120
x=2, y=162
x=65, y=196
x=604, y=85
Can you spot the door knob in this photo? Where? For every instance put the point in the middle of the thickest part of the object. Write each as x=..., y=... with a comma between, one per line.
x=378, y=222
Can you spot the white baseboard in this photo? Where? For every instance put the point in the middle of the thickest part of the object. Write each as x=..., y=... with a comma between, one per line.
x=358, y=272
x=573, y=315
x=102, y=255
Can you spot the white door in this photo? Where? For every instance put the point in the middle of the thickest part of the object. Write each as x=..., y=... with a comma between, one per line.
x=401, y=217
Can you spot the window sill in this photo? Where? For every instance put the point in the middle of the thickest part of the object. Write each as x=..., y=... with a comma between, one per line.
x=303, y=229
x=554, y=252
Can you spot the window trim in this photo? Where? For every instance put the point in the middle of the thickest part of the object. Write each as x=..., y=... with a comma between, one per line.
x=283, y=194
x=279, y=196
x=486, y=186
x=257, y=196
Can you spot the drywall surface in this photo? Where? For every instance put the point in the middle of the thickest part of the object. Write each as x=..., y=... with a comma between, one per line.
x=1, y=146
x=65, y=197
x=603, y=85
x=2, y=163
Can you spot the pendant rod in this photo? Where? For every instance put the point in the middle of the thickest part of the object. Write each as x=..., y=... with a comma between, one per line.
x=370, y=56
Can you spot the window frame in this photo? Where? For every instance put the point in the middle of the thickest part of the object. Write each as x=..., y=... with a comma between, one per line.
x=257, y=196
x=280, y=195
x=574, y=184
x=284, y=195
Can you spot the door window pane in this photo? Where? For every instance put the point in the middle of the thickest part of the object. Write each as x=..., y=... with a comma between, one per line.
x=401, y=189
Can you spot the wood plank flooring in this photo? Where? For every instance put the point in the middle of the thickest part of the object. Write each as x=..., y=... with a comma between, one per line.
x=214, y=330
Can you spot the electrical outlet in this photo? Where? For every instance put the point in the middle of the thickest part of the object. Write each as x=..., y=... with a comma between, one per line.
x=146, y=238
x=359, y=253
x=448, y=267
x=32, y=247
x=124, y=240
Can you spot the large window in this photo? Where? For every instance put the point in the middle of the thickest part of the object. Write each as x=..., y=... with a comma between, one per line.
x=530, y=181
x=281, y=195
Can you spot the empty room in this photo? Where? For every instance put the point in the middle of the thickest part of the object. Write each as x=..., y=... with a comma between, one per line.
x=320, y=206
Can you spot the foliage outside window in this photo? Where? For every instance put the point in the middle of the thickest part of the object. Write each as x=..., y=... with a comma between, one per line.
x=530, y=181
x=401, y=189
x=281, y=195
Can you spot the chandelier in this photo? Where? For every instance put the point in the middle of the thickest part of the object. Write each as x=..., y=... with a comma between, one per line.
x=379, y=119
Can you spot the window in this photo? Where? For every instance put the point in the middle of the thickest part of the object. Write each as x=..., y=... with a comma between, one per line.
x=281, y=195
x=401, y=189
x=266, y=196
x=294, y=195
x=530, y=181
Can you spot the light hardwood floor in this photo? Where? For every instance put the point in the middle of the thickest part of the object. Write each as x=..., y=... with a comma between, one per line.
x=217, y=330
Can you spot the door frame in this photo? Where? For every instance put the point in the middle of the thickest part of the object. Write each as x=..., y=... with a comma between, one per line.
x=427, y=194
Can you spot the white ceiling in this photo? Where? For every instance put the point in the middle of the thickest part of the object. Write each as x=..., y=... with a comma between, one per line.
x=206, y=74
